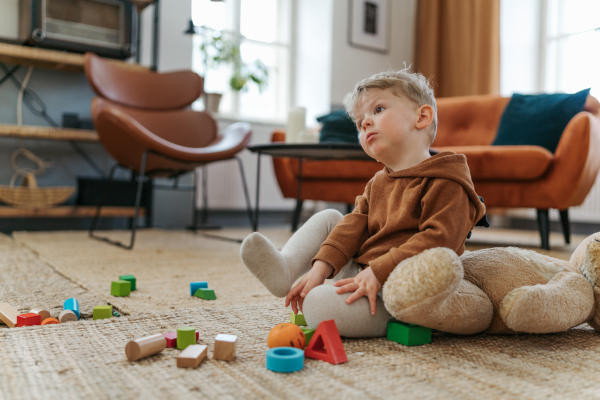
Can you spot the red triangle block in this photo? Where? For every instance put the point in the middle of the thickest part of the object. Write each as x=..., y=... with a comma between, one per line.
x=326, y=344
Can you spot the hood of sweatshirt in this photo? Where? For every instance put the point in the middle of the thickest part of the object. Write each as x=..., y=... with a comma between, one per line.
x=445, y=165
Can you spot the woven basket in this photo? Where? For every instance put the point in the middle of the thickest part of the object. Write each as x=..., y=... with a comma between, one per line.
x=29, y=195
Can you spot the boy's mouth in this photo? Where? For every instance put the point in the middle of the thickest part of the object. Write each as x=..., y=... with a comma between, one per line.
x=370, y=135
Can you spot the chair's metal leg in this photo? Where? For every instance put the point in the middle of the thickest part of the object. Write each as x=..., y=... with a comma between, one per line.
x=194, y=199
x=299, y=201
x=102, y=199
x=256, y=212
x=138, y=199
x=204, y=215
x=544, y=227
x=349, y=208
x=564, y=219
x=239, y=160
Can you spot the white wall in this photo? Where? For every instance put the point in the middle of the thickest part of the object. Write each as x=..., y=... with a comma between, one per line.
x=9, y=21
x=351, y=64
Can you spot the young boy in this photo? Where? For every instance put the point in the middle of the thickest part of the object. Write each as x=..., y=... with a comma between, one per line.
x=415, y=203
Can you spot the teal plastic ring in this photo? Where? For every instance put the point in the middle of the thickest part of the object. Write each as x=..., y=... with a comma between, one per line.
x=285, y=359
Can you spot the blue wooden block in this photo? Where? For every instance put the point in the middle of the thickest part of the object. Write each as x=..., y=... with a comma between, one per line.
x=73, y=305
x=285, y=359
x=197, y=285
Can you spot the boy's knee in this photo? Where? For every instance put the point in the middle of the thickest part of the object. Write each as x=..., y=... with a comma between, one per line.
x=330, y=215
x=352, y=320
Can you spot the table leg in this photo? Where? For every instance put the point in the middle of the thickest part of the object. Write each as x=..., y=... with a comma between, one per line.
x=256, y=212
x=299, y=201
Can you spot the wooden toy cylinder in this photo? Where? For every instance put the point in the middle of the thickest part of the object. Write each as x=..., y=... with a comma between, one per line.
x=73, y=305
x=144, y=347
x=67, y=316
x=45, y=314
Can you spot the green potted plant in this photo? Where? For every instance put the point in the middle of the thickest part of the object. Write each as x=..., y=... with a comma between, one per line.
x=219, y=50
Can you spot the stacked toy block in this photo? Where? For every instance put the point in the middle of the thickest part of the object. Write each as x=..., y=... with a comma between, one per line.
x=201, y=290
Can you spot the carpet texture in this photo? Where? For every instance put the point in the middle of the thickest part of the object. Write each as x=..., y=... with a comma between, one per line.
x=86, y=359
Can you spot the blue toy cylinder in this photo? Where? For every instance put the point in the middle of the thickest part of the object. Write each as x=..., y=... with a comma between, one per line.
x=197, y=285
x=285, y=359
x=73, y=305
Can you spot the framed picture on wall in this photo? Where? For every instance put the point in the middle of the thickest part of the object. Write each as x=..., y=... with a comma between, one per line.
x=369, y=24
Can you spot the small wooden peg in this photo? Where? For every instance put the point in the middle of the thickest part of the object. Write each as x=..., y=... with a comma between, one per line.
x=45, y=314
x=144, y=347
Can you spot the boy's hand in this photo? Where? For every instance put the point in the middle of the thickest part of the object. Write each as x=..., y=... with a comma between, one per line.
x=363, y=284
x=315, y=277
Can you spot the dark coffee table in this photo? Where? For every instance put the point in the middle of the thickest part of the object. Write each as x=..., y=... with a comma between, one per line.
x=301, y=151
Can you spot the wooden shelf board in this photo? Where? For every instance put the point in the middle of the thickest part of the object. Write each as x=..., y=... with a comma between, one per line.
x=43, y=132
x=67, y=212
x=52, y=59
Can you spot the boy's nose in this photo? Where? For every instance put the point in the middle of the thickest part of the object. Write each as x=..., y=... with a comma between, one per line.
x=366, y=123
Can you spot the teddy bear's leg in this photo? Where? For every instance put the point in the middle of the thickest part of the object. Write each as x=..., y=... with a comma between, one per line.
x=567, y=300
x=429, y=290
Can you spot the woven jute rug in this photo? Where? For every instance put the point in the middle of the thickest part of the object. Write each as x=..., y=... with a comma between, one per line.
x=86, y=359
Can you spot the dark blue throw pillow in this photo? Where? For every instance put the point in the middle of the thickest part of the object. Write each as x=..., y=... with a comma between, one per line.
x=338, y=127
x=538, y=119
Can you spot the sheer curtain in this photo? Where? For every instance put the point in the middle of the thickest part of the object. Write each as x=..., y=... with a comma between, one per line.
x=458, y=46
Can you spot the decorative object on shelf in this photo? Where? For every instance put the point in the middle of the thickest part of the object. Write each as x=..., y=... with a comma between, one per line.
x=369, y=25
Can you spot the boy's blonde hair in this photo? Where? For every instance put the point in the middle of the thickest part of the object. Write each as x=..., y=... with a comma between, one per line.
x=400, y=82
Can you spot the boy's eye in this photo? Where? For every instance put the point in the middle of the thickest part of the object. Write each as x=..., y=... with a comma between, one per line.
x=359, y=124
x=378, y=109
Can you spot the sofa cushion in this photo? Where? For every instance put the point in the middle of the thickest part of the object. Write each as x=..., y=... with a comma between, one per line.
x=538, y=119
x=510, y=163
x=337, y=169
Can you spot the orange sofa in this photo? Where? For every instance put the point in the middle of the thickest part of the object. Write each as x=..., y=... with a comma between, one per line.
x=505, y=176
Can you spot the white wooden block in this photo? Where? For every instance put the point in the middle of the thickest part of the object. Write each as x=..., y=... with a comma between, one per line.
x=8, y=314
x=192, y=356
x=224, y=347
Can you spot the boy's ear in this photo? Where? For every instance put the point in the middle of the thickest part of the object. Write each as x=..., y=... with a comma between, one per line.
x=425, y=116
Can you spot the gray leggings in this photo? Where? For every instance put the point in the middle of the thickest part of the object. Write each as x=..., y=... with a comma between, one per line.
x=323, y=303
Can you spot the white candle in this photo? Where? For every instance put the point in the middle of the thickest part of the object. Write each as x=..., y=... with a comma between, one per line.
x=296, y=124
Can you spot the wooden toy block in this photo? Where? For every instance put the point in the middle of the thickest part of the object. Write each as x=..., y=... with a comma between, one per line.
x=326, y=344
x=28, y=319
x=285, y=359
x=50, y=321
x=67, y=316
x=45, y=314
x=129, y=278
x=192, y=356
x=308, y=333
x=197, y=285
x=185, y=337
x=120, y=288
x=297, y=319
x=408, y=334
x=8, y=315
x=172, y=338
x=144, y=347
x=206, y=294
x=102, y=312
x=224, y=347
x=73, y=305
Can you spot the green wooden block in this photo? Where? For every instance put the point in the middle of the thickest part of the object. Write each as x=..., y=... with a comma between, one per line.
x=408, y=334
x=308, y=333
x=129, y=278
x=120, y=288
x=185, y=337
x=297, y=319
x=102, y=312
x=206, y=294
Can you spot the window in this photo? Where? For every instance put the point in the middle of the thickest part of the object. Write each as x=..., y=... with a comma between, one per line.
x=261, y=28
x=570, y=51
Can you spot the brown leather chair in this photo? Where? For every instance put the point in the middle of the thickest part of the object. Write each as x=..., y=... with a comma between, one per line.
x=144, y=122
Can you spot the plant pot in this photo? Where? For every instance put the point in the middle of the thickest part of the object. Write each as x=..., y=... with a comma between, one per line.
x=212, y=101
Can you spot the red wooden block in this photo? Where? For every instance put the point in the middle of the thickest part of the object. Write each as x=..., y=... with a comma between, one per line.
x=172, y=338
x=29, y=319
x=326, y=344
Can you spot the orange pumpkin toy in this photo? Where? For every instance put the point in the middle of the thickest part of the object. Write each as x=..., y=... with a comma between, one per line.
x=286, y=335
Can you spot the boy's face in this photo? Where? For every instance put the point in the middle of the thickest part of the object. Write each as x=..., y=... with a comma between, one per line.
x=385, y=123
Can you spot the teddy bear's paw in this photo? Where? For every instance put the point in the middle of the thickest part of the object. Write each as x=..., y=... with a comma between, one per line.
x=565, y=302
x=590, y=265
x=432, y=273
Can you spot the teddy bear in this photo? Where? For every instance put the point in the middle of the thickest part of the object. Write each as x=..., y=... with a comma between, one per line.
x=497, y=290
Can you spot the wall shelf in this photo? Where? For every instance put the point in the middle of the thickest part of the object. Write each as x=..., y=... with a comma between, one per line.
x=68, y=212
x=51, y=59
x=47, y=133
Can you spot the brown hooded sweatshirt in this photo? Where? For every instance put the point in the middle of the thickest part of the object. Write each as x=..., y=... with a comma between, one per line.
x=402, y=213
